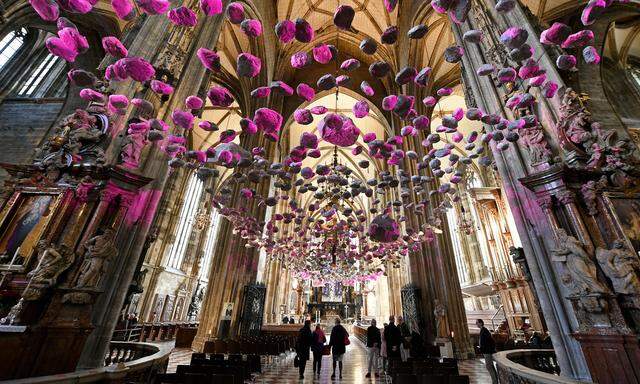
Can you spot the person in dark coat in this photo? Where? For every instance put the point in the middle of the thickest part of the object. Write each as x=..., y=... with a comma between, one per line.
x=374, y=341
x=338, y=347
x=416, y=349
x=318, y=345
x=305, y=339
x=393, y=338
x=487, y=348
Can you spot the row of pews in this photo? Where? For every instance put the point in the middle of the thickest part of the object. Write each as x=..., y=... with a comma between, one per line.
x=182, y=332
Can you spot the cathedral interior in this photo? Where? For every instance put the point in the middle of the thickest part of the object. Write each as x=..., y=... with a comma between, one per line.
x=186, y=184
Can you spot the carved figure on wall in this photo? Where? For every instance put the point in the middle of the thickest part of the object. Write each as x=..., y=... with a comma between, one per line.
x=52, y=262
x=98, y=252
x=622, y=266
x=598, y=148
x=132, y=145
x=589, y=193
x=76, y=139
x=536, y=144
x=580, y=278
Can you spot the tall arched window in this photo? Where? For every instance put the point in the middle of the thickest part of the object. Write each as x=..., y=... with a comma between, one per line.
x=461, y=263
x=49, y=70
x=212, y=239
x=185, y=222
x=10, y=44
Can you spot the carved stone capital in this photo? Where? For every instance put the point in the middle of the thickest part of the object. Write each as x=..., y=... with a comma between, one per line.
x=566, y=197
x=545, y=202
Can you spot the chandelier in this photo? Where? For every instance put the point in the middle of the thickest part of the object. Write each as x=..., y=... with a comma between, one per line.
x=465, y=223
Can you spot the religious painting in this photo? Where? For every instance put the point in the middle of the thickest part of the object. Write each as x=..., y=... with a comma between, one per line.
x=626, y=214
x=227, y=311
x=157, y=308
x=168, y=308
x=177, y=316
x=22, y=222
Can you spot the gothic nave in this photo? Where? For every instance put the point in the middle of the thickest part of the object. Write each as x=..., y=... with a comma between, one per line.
x=217, y=191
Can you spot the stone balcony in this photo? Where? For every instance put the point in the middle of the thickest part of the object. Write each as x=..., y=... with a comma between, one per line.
x=128, y=362
x=529, y=366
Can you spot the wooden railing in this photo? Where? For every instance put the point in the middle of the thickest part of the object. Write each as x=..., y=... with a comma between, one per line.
x=530, y=366
x=126, y=362
x=146, y=332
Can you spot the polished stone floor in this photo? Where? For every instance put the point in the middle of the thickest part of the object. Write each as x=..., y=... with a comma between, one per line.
x=355, y=368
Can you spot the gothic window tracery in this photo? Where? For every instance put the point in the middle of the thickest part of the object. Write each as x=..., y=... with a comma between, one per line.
x=189, y=208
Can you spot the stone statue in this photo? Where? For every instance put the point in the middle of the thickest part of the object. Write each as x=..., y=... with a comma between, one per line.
x=581, y=270
x=52, y=262
x=99, y=251
x=132, y=145
x=622, y=266
x=76, y=139
x=440, y=313
x=589, y=192
x=536, y=144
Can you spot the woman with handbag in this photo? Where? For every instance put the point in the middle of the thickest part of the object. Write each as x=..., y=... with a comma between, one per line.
x=305, y=339
x=338, y=341
x=318, y=349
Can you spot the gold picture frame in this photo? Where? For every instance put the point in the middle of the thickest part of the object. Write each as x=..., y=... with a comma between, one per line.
x=24, y=219
x=624, y=212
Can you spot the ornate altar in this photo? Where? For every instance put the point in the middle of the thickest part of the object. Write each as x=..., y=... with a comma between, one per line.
x=331, y=301
x=61, y=220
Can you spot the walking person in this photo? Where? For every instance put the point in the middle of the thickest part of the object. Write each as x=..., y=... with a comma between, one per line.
x=405, y=332
x=317, y=347
x=383, y=348
x=487, y=348
x=373, y=344
x=305, y=339
x=338, y=341
x=394, y=338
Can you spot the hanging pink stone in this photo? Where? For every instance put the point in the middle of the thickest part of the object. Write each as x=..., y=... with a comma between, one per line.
x=153, y=7
x=366, y=88
x=555, y=34
x=305, y=91
x=384, y=229
x=261, y=92
x=303, y=116
x=248, y=65
x=300, y=60
x=114, y=47
x=304, y=32
x=194, y=102
x=235, y=12
x=47, y=10
x=361, y=109
x=182, y=119
x=251, y=27
x=322, y=53
x=211, y=7
x=161, y=88
x=338, y=130
x=183, y=16
x=269, y=122
x=286, y=31
x=343, y=17
x=220, y=97
x=123, y=9
x=210, y=59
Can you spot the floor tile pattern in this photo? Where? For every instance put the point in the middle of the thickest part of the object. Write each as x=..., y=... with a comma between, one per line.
x=355, y=368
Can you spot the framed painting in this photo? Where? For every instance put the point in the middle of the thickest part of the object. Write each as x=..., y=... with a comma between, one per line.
x=625, y=213
x=23, y=221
